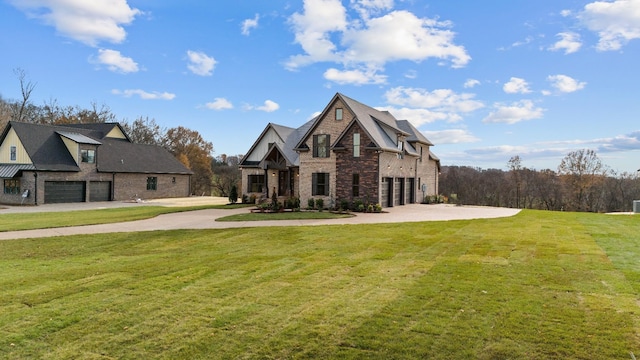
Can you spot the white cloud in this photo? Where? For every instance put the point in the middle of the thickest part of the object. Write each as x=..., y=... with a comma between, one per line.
x=355, y=77
x=269, y=106
x=421, y=106
x=514, y=113
x=516, y=86
x=470, y=83
x=565, y=84
x=86, y=21
x=616, y=22
x=419, y=117
x=200, y=63
x=325, y=35
x=569, y=42
x=400, y=35
x=144, y=95
x=451, y=136
x=411, y=74
x=219, y=104
x=115, y=61
x=313, y=28
x=249, y=24
x=437, y=99
x=367, y=8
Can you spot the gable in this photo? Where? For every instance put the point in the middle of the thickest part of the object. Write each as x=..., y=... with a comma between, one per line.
x=116, y=133
x=261, y=147
x=12, y=139
x=327, y=122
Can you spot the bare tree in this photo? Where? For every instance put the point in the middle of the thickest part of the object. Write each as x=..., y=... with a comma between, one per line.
x=583, y=175
x=515, y=167
x=226, y=174
x=26, y=88
x=145, y=131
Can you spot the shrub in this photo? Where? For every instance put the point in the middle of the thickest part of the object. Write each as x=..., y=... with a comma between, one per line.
x=320, y=204
x=358, y=205
x=293, y=202
x=252, y=199
x=344, y=205
x=311, y=203
x=233, y=194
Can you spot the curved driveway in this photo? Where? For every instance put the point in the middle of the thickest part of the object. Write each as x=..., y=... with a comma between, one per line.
x=206, y=219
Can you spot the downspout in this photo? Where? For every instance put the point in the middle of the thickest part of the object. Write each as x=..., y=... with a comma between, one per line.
x=35, y=176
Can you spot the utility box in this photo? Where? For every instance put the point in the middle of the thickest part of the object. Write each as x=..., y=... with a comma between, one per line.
x=636, y=206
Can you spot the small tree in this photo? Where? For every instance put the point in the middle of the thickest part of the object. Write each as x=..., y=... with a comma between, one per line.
x=233, y=194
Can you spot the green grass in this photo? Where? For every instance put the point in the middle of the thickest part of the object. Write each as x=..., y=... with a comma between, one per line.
x=46, y=220
x=289, y=215
x=539, y=285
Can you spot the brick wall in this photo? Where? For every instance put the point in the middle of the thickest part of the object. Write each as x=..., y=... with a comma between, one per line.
x=309, y=165
x=366, y=165
x=127, y=186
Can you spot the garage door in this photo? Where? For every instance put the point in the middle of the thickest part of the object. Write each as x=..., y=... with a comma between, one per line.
x=64, y=191
x=100, y=191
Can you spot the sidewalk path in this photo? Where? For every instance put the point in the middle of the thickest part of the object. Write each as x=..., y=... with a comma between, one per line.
x=205, y=219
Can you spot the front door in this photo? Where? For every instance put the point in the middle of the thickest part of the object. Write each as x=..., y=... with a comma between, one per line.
x=283, y=183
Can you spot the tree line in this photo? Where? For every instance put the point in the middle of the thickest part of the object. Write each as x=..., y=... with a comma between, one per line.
x=187, y=145
x=580, y=183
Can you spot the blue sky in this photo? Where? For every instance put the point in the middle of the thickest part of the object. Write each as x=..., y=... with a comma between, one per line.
x=484, y=81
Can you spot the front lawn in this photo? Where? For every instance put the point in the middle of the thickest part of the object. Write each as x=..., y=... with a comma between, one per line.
x=46, y=220
x=539, y=285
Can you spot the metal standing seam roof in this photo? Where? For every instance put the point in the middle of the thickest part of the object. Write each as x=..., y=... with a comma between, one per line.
x=8, y=171
x=79, y=138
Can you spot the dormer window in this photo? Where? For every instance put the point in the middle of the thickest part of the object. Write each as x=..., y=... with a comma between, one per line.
x=88, y=156
x=14, y=153
x=338, y=114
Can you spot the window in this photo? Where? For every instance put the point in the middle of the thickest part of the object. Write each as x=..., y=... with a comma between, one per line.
x=421, y=153
x=14, y=152
x=256, y=183
x=321, y=146
x=152, y=183
x=88, y=156
x=11, y=186
x=356, y=145
x=320, y=184
x=401, y=149
x=355, y=185
x=338, y=114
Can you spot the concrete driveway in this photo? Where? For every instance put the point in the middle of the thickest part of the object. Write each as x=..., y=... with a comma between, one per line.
x=206, y=219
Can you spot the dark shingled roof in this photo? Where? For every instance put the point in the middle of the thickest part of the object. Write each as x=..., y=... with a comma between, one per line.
x=48, y=152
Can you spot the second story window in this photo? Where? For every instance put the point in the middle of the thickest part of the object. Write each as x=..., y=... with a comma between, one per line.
x=338, y=114
x=88, y=156
x=401, y=149
x=14, y=153
x=321, y=146
x=356, y=145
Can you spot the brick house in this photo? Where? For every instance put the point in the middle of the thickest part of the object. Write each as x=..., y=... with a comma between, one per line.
x=349, y=152
x=84, y=162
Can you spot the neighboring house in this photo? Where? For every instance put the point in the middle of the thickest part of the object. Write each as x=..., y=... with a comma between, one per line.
x=349, y=152
x=42, y=164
